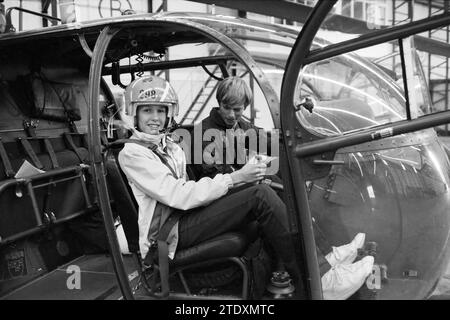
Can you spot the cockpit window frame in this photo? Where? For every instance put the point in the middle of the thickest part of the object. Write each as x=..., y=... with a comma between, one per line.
x=310, y=155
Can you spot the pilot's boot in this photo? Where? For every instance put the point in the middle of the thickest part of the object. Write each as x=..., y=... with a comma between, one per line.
x=343, y=280
x=346, y=253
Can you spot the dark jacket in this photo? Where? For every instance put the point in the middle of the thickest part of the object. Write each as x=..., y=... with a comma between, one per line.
x=215, y=121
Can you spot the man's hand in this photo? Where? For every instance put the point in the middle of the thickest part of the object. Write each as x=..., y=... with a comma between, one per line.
x=249, y=173
x=260, y=158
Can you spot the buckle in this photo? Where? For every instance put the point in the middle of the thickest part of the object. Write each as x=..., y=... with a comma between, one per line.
x=153, y=244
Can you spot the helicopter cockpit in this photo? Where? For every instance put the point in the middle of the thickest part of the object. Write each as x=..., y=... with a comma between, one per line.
x=357, y=154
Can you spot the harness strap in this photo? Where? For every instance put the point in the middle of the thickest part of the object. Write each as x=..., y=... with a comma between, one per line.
x=72, y=127
x=51, y=153
x=30, y=152
x=72, y=145
x=163, y=265
x=163, y=255
x=9, y=172
x=148, y=145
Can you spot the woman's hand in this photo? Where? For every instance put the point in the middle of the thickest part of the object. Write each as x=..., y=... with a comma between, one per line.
x=249, y=173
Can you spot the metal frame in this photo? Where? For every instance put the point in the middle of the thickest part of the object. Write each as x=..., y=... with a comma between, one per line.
x=296, y=186
x=75, y=172
x=174, y=64
x=96, y=159
x=179, y=270
x=10, y=28
x=371, y=134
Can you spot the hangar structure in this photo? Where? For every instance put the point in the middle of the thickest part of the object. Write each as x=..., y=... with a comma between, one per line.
x=434, y=44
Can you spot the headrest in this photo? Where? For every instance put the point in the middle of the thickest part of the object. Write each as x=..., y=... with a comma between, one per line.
x=39, y=97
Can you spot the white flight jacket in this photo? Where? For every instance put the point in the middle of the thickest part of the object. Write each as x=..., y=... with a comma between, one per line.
x=152, y=182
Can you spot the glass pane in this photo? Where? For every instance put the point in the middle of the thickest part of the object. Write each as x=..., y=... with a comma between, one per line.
x=391, y=64
x=349, y=93
x=237, y=28
x=399, y=197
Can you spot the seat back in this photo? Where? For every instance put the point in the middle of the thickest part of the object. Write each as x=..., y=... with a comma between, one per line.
x=124, y=201
x=193, y=171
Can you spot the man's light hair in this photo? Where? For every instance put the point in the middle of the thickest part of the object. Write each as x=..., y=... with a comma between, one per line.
x=233, y=91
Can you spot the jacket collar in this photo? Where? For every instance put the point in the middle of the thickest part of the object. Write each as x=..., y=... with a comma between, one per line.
x=217, y=119
x=160, y=140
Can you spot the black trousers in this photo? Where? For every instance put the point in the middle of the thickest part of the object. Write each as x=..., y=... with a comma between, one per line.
x=236, y=209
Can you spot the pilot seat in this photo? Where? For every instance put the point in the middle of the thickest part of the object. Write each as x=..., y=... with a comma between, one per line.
x=228, y=247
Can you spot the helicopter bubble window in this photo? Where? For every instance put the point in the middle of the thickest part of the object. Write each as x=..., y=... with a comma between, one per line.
x=394, y=196
x=392, y=64
x=351, y=18
x=237, y=28
x=347, y=93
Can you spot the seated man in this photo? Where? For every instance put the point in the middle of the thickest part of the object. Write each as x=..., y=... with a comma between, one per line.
x=340, y=276
x=228, y=150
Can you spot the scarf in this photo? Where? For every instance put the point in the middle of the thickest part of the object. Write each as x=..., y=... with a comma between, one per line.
x=158, y=139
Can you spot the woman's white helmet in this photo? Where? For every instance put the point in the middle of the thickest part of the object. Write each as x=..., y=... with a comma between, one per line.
x=150, y=90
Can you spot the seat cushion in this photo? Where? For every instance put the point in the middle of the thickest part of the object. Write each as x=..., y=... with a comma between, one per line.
x=231, y=244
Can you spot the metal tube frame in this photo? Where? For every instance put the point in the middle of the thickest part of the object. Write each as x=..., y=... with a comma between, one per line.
x=405, y=81
x=30, y=187
x=9, y=25
x=380, y=132
x=95, y=155
x=21, y=235
x=174, y=64
x=295, y=181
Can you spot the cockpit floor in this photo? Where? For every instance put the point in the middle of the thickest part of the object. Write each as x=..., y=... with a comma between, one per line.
x=97, y=281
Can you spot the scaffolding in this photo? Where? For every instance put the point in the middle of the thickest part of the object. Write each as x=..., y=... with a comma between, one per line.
x=438, y=66
x=402, y=13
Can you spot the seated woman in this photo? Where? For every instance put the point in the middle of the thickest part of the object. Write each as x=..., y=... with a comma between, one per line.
x=208, y=207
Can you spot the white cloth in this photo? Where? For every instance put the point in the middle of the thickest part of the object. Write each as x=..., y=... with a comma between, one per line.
x=152, y=181
x=121, y=238
x=343, y=280
x=346, y=253
x=159, y=140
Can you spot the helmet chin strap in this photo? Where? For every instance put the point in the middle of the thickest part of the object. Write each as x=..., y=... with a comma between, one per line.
x=169, y=125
